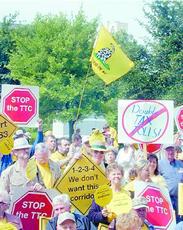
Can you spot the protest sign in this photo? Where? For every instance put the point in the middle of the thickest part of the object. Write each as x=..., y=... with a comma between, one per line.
x=179, y=118
x=21, y=104
x=145, y=121
x=6, y=145
x=180, y=199
x=30, y=207
x=7, y=129
x=103, y=195
x=151, y=148
x=43, y=222
x=81, y=181
x=102, y=227
x=159, y=211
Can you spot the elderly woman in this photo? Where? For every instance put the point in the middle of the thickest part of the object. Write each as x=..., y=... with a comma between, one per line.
x=154, y=173
x=143, y=174
x=128, y=221
x=99, y=214
x=6, y=217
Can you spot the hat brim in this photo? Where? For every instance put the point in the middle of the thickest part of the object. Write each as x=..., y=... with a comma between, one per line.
x=22, y=147
x=140, y=206
x=99, y=149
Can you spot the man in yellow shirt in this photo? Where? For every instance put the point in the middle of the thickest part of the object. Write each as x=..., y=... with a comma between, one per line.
x=61, y=156
x=41, y=170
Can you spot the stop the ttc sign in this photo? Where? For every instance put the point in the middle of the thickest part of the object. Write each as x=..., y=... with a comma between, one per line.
x=20, y=104
x=179, y=118
x=159, y=211
x=30, y=207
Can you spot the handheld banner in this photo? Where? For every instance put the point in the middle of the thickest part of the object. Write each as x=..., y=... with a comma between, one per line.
x=21, y=104
x=80, y=183
x=145, y=121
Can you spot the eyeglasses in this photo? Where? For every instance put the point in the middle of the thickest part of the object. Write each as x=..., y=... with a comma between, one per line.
x=3, y=203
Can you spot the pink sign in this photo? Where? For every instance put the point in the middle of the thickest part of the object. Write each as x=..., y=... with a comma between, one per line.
x=21, y=104
x=30, y=207
x=159, y=209
x=179, y=119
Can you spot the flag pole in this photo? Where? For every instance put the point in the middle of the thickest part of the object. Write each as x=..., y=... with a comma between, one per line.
x=81, y=97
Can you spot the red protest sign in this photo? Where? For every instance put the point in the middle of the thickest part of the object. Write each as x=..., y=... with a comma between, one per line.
x=159, y=209
x=151, y=148
x=20, y=104
x=179, y=118
x=30, y=207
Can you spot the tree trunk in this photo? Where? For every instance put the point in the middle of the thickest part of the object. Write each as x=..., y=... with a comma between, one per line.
x=71, y=129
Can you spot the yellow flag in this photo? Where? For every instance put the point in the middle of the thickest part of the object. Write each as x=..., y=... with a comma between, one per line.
x=108, y=60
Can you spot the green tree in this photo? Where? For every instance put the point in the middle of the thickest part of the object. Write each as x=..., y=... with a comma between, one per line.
x=165, y=24
x=53, y=52
x=7, y=46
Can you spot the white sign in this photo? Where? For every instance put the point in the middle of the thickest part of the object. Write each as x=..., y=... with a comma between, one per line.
x=20, y=104
x=58, y=129
x=145, y=121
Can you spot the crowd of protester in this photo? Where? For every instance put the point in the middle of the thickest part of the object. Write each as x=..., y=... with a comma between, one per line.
x=38, y=167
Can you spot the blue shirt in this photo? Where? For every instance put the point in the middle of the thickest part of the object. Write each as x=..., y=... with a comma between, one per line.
x=171, y=173
x=6, y=160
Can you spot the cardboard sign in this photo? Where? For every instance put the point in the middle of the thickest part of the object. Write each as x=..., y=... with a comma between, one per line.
x=145, y=121
x=6, y=145
x=103, y=195
x=81, y=181
x=21, y=104
x=160, y=211
x=7, y=127
x=30, y=207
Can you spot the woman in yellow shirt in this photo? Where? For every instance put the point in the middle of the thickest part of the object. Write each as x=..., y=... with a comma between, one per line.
x=154, y=173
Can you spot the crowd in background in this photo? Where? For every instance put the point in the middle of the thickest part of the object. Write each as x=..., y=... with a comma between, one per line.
x=39, y=165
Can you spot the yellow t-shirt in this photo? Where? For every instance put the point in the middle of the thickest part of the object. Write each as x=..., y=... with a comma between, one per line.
x=120, y=203
x=159, y=180
x=144, y=227
x=56, y=156
x=46, y=174
x=114, y=136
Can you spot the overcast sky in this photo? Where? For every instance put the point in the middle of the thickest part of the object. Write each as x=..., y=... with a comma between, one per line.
x=124, y=11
